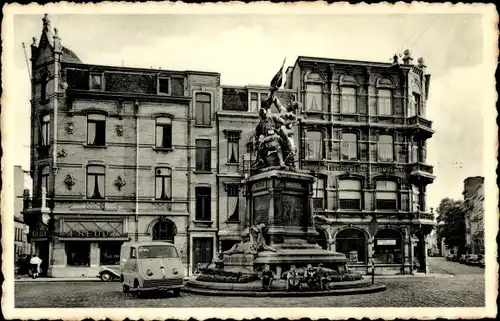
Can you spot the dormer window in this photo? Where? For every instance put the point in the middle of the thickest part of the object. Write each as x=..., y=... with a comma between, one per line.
x=164, y=85
x=96, y=81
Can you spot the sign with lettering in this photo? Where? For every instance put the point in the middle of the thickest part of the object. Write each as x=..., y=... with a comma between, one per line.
x=92, y=229
x=386, y=242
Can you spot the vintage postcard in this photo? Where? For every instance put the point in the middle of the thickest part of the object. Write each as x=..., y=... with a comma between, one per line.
x=170, y=160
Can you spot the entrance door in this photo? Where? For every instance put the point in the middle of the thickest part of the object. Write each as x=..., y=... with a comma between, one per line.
x=203, y=250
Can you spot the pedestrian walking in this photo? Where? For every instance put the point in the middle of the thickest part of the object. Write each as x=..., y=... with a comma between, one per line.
x=35, y=263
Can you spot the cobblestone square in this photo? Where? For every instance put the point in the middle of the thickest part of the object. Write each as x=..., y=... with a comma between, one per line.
x=465, y=289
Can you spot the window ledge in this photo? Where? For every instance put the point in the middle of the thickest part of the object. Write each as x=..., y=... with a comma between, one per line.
x=202, y=172
x=162, y=149
x=95, y=146
x=232, y=163
x=350, y=114
x=233, y=222
x=202, y=126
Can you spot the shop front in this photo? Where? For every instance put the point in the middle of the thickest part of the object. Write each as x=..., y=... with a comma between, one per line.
x=388, y=252
x=83, y=245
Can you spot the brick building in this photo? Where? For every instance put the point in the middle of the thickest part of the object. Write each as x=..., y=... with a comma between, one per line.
x=123, y=154
x=474, y=211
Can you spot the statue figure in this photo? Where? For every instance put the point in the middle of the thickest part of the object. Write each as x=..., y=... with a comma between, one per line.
x=273, y=135
x=255, y=245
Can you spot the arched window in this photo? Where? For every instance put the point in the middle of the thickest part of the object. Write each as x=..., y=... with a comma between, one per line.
x=45, y=130
x=164, y=230
x=352, y=243
x=388, y=247
x=350, y=194
x=314, y=97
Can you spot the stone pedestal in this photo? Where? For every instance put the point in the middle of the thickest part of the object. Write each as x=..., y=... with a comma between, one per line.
x=282, y=200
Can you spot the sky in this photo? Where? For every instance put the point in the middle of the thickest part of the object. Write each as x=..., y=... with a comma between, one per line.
x=248, y=49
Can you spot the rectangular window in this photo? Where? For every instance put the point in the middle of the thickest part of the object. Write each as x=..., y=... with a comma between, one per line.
x=44, y=179
x=384, y=102
x=44, y=82
x=203, y=155
x=233, y=197
x=233, y=147
x=314, y=145
x=110, y=253
x=95, y=182
x=164, y=132
x=254, y=102
x=314, y=97
x=385, y=148
x=348, y=100
x=45, y=130
x=386, y=195
x=349, y=146
x=203, y=109
x=350, y=194
x=203, y=203
x=78, y=253
x=96, y=129
x=319, y=194
x=164, y=86
x=163, y=183
x=96, y=81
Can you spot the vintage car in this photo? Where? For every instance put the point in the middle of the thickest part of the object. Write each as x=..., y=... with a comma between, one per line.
x=481, y=262
x=462, y=259
x=107, y=274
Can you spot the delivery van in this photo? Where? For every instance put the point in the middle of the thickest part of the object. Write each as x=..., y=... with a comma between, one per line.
x=146, y=266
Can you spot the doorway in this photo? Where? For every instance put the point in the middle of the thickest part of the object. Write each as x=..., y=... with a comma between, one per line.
x=203, y=248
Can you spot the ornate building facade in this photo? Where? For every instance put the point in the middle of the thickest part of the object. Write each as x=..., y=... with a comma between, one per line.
x=118, y=154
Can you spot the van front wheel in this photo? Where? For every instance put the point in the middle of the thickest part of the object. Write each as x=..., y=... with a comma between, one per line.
x=177, y=292
x=125, y=288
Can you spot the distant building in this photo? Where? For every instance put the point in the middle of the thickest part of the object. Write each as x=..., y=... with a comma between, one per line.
x=474, y=211
x=22, y=183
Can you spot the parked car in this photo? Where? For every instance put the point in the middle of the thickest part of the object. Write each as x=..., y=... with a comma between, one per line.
x=472, y=259
x=481, y=262
x=107, y=274
x=462, y=259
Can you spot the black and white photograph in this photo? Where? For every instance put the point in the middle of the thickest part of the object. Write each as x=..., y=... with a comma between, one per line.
x=160, y=159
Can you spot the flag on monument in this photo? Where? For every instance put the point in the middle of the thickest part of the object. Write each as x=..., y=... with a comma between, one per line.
x=278, y=78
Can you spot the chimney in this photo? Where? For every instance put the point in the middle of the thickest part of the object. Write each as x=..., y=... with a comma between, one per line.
x=407, y=59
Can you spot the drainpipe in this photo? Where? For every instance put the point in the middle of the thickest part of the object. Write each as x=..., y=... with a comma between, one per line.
x=136, y=107
x=188, y=219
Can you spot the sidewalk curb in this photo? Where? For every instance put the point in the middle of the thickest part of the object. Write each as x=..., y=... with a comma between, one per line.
x=48, y=280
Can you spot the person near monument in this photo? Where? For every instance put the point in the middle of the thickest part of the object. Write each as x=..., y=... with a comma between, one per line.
x=292, y=279
x=267, y=278
x=310, y=275
x=321, y=277
x=35, y=263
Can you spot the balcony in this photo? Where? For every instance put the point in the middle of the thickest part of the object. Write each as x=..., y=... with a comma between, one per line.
x=421, y=173
x=421, y=127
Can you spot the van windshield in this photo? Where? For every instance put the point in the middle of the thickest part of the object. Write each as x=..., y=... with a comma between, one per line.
x=152, y=252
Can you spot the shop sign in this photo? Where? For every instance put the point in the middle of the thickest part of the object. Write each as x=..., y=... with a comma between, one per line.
x=386, y=242
x=90, y=229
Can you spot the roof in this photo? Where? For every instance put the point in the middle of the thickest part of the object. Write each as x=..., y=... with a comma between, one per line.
x=69, y=56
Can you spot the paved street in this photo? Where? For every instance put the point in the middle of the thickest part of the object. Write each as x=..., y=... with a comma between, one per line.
x=465, y=289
